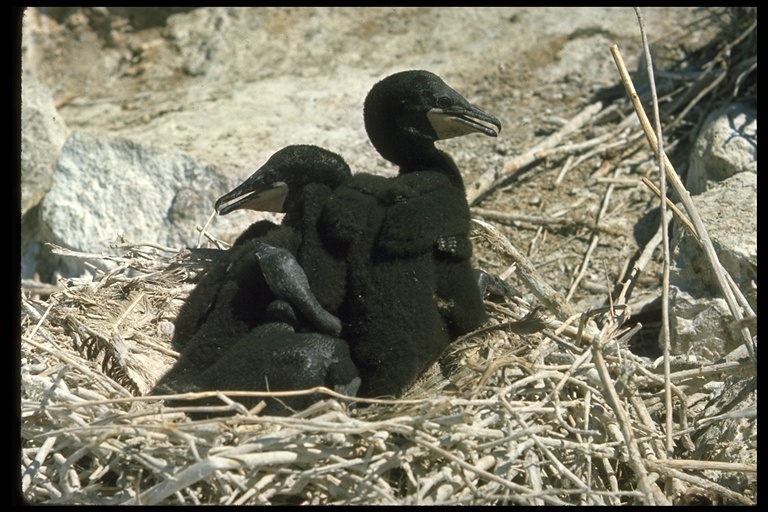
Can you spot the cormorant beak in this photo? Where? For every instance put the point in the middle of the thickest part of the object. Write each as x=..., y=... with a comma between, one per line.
x=252, y=194
x=458, y=120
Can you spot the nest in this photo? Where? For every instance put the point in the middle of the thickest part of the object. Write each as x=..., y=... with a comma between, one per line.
x=541, y=406
x=522, y=412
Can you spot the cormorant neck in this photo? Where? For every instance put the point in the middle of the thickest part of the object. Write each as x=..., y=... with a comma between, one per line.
x=436, y=161
x=414, y=155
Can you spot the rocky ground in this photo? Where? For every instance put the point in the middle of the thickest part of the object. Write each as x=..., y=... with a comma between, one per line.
x=135, y=120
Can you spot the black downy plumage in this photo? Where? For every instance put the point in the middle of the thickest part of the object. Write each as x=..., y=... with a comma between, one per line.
x=408, y=288
x=411, y=287
x=233, y=296
x=220, y=330
x=272, y=357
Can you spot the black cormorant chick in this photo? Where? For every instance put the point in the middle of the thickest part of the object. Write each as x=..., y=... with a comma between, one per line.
x=233, y=296
x=411, y=288
x=403, y=128
x=257, y=281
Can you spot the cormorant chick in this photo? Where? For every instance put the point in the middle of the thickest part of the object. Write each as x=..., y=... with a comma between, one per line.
x=232, y=297
x=405, y=113
x=411, y=288
x=258, y=281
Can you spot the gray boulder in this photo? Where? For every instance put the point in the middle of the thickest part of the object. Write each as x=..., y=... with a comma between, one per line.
x=700, y=319
x=43, y=133
x=105, y=187
x=727, y=145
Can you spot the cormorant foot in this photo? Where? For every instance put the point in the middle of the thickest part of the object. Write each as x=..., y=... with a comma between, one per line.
x=448, y=244
x=282, y=311
x=494, y=284
x=289, y=283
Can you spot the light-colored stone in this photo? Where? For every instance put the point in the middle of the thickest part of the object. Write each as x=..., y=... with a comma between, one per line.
x=43, y=133
x=105, y=187
x=700, y=320
x=727, y=145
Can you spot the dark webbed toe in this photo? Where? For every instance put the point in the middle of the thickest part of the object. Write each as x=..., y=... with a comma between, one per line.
x=454, y=247
x=489, y=283
x=289, y=283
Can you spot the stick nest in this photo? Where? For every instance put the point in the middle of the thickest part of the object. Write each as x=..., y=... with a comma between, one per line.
x=515, y=416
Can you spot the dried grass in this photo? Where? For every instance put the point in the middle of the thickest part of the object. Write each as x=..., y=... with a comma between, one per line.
x=525, y=417
x=544, y=406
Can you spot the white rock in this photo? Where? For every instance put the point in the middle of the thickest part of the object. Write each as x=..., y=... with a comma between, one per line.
x=105, y=187
x=726, y=146
x=700, y=318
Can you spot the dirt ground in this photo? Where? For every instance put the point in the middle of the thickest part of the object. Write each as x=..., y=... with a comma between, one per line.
x=231, y=86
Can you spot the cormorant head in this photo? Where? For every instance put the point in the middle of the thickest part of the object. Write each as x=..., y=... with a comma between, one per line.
x=276, y=186
x=408, y=111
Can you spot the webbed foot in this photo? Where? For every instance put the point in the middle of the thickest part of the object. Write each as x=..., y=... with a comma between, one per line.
x=494, y=284
x=289, y=283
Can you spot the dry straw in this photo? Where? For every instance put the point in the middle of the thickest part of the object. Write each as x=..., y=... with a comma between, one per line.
x=543, y=406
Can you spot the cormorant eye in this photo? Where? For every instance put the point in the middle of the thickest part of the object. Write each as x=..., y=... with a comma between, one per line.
x=443, y=102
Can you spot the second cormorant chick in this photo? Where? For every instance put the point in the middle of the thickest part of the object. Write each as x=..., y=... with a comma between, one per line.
x=233, y=296
x=258, y=281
